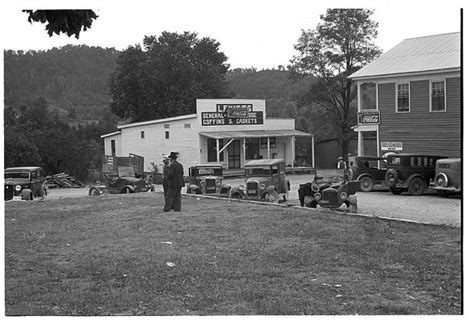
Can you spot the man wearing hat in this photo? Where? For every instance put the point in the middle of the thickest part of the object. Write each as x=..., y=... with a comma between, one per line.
x=175, y=183
x=166, y=169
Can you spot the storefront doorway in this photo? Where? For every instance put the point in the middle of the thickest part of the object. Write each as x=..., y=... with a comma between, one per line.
x=234, y=155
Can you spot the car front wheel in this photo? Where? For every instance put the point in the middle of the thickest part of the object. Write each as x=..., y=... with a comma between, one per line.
x=366, y=184
x=416, y=187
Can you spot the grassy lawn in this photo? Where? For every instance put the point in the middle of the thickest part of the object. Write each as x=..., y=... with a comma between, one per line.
x=120, y=255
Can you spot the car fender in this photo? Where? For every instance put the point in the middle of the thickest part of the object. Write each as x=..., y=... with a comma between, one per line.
x=192, y=188
x=129, y=186
x=365, y=175
x=26, y=194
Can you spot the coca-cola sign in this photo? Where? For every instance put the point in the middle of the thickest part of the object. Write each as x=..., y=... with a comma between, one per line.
x=368, y=117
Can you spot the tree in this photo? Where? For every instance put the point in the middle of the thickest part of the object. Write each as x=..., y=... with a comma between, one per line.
x=166, y=77
x=69, y=22
x=340, y=45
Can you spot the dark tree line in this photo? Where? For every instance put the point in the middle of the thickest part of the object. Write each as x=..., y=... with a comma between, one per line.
x=70, y=78
x=34, y=136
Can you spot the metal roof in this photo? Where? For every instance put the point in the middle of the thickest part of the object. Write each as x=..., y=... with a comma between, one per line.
x=136, y=124
x=263, y=162
x=440, y=52
x=254, y=134
x=14, y=169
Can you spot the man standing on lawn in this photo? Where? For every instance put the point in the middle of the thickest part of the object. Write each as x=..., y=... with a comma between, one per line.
x=175, y=183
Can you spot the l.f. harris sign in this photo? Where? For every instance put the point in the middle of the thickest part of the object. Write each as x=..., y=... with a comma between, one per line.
x=368, y=117
x=232, y=114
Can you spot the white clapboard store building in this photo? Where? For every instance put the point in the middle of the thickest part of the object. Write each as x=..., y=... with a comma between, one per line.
x=225, y=131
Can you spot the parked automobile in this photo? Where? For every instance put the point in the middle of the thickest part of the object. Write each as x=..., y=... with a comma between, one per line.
x=122, y=175
x=119, y=185
x=24, y=183
x=207, y=179
x=332, y=193
x=370, y=171
x=448, y=176
x=410, y=172
x=265, y=179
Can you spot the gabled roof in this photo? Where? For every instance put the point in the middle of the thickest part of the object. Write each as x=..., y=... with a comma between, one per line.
x=440, y=52
x=136, y=124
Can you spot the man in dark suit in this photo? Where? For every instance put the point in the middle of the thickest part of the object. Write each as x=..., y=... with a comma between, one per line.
x=175, y=183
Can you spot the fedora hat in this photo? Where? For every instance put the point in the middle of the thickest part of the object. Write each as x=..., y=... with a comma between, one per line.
x=173, y=155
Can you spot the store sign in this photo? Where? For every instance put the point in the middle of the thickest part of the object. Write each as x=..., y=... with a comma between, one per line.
x=391, y=146
x=232, y=114
x=368, y=117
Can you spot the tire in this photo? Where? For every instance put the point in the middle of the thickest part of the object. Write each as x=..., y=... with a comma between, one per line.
x=272, y=197
x=366, y=184
x=94, y=192
x=236, y=195
x=417, y=186
x=396, y=190
x=391, y=177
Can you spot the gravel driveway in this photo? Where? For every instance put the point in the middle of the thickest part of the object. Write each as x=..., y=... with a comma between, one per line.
x=429, y=208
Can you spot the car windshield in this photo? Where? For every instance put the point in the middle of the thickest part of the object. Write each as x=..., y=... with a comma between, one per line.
x=258, y=171
x=17, y=175
x=209, y=172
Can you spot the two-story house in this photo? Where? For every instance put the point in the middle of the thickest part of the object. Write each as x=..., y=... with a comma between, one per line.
x=409, y=99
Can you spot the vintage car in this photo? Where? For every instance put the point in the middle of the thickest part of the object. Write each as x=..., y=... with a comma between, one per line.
x=370, y=171
x=264, y=180
x=207, y=179
x=24, y=183
x=333, y=193
x=410, y=172
x=448, y=176
x=118, y=185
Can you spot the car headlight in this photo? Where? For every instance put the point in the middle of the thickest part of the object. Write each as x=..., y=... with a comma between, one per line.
x=343, y=195
x=218, y=183
x=262, y=186
x=317, y=196
x=17, y=187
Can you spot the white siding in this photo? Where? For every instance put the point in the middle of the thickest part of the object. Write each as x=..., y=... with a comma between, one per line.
x=154, y=145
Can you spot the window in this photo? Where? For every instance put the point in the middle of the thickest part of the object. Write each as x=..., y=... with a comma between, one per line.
x=167, y=126
x=403, y=97
x=368, y=96
x=142, y=134
x=187, y=125
x=112, y=146
x=167, y=134
x=263, y=143
x=212, y=150
x=438, y=98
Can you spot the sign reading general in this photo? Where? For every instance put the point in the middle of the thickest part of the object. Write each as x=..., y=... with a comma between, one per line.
x=391, y=146
x=232, y=114
x=368, y=117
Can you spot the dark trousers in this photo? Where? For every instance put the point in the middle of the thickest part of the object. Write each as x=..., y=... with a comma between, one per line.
x=173, y=199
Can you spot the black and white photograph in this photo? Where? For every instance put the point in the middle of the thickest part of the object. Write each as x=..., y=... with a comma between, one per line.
x=235, y=158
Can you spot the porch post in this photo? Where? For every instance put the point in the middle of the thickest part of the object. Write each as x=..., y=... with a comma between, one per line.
x=312, y=152
x=360, y=144
x=243, y=145
x=217, y=150
x=268, y=147
x=292, y=151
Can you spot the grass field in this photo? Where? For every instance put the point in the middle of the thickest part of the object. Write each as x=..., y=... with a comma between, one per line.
x=121, y=255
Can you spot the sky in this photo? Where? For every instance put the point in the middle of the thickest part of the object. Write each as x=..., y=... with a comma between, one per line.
x=252, y=33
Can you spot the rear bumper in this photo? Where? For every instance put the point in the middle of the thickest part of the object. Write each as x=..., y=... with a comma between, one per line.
x=448, y=189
